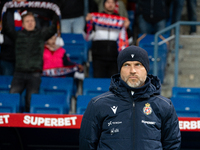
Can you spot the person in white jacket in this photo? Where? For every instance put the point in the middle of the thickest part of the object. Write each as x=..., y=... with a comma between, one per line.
x=104, y=44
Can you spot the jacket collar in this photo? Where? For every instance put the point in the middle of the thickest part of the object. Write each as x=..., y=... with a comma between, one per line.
x=25, y=31
x=151, y=87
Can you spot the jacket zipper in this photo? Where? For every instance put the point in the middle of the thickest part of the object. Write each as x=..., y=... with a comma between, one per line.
x=133, y=120
x=134, y=125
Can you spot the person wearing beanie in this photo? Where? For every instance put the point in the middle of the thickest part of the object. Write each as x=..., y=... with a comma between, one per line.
x=132, y=114
x=120, y=7
x=133, y=65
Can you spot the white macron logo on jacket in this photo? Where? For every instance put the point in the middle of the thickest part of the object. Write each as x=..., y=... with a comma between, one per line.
x=114, y=109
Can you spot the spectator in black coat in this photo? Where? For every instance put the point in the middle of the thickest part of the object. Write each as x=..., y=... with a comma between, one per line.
x=152, y=15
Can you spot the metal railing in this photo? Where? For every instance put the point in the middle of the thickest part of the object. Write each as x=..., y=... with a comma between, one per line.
x=175, y=26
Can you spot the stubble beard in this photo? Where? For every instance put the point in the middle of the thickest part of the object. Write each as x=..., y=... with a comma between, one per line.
x=135, y=82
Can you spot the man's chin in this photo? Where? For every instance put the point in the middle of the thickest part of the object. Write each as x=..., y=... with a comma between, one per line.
x=133, y=85
x=110, y=10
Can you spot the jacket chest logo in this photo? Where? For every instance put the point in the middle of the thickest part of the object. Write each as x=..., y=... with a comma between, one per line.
x=147, y=109
x=114, y=109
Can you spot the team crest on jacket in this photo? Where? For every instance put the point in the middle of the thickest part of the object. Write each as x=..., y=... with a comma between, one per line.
x=147, y=109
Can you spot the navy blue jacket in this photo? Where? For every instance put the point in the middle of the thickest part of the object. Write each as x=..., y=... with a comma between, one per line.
x=120, y=120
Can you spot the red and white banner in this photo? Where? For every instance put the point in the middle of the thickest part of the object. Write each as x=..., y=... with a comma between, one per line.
x=32, y=5
x=110, y=21
x=61, y=71
x=70, y=121
x=107, y=20
x=40, y=120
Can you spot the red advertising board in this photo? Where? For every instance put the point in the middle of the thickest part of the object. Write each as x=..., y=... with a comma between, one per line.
x=189, y=124
x=70, y=121
x=40, y=120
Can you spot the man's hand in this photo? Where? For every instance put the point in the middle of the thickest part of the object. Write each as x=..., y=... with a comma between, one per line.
x=126, y=23
x=80, y=68
x=88, y=17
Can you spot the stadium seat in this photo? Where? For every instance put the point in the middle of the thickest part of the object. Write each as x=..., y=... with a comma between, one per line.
x=94, y=86
x=48, y=104
x=9, y=103
x=186, y=92
x=5, y=83
x=76, y=47
x=58, y=86
x=186, y=107
x=82, y=102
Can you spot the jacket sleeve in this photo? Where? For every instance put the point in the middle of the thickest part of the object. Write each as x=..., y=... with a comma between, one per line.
x=171, y=136
x=7, y=40
x=90, y=129
x=8, y=27
x=66, y=61
x=50, y=31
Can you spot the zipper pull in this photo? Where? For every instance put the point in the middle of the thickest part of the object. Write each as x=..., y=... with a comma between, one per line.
x=133, y=104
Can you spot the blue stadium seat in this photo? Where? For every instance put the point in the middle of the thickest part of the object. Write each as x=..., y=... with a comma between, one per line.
x=76, y=47
x=147, y=43
x=5, y=83
x=94, y=86
x=186, y=107
x=186, y=92
x=82, y=102
x=58, y=86
x=48, y=104
x=9, y=103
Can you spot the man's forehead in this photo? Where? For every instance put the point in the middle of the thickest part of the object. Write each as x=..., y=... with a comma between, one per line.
x=132, y=62
x=29, y=17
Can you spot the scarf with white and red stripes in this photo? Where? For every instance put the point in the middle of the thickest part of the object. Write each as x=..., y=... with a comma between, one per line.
x=32, y=5
x=110, y=21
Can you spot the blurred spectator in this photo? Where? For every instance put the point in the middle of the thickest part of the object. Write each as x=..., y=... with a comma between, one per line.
x=7, y=54
x=104, y=44
x=73, y=15
x=57, y=63
x=119, y=7
x=191, y=11
x=43, y=17
x=29, y=47
x=2, y=2
x=125, y=2
x=152, y=15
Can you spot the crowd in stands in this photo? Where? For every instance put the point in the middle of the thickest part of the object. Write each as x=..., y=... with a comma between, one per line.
x=31, y=38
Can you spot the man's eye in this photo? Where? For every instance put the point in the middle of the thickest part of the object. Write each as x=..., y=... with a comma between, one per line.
x=138, y=64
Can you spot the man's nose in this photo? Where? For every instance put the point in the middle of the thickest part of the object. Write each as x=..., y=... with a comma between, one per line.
x=132, y=69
